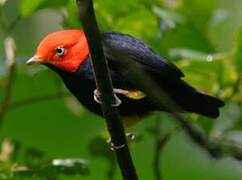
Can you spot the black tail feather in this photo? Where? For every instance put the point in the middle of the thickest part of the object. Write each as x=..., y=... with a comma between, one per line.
x=208, y=105
x=192, y=100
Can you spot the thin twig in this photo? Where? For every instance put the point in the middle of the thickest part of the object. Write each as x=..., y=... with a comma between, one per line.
x=159, y=144
x=157, y=149
x=103, y=81
x=9, y=45
x=160, y=141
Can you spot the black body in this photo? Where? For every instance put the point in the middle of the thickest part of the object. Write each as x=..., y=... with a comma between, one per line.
x=167, y=76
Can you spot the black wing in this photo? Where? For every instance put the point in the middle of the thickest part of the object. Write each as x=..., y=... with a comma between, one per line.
x=126, y=45
x=118, y=46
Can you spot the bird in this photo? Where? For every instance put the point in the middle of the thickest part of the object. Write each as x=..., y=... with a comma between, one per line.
x=66, y=52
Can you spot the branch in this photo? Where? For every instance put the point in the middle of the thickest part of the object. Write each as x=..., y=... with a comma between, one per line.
x=160, y=142
x=103, y=82
x=9, y=45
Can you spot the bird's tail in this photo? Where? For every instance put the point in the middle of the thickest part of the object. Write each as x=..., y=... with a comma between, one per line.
x=206, y=105
x=192, y=100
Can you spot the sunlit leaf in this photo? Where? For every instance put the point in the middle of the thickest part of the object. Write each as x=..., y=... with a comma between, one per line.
x=2, y=2
x=27, y=7
x=71, y=20
x=53, y=3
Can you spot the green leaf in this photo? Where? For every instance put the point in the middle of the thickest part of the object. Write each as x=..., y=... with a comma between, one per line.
x=224, y=24
x=220, y=71
x=54, y=3
x=197, y=12
x=72, y=20
x=28, y=7
x=186, y=36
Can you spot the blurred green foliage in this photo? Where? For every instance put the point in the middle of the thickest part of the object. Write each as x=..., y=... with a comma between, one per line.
x=203, y=37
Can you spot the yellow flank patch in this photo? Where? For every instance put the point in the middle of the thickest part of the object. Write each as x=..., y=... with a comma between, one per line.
x=130, y=120
x=135, y=94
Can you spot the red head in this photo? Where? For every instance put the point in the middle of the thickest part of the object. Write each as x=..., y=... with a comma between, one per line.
x=65, y=50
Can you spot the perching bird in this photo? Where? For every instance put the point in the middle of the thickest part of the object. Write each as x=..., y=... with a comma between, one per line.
x=66, y=52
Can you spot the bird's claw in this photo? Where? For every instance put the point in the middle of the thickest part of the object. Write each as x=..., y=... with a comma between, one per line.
x=117, y=101
x=114, y=147
x=130, y=136
x=97, y=94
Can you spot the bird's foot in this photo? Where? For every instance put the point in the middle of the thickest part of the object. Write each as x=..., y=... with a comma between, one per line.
x=97, y=98
x=129, y=136
x=114, y=147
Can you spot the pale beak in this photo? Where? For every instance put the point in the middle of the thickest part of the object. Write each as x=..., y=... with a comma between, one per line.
x=35, y=60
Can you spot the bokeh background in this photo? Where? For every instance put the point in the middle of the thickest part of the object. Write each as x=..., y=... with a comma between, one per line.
x=42, y=121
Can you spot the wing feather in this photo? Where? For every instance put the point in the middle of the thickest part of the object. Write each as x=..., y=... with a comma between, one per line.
x=128, y=46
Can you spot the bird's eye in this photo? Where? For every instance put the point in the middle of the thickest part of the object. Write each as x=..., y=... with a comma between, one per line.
x=60, y=51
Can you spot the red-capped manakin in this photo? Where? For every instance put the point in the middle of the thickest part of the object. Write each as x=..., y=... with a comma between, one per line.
x=66, y=52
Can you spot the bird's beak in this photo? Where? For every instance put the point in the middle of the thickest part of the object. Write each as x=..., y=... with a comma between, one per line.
x=35, y=60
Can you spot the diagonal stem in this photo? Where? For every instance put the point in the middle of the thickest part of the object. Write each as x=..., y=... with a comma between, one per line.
x=104, y=85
